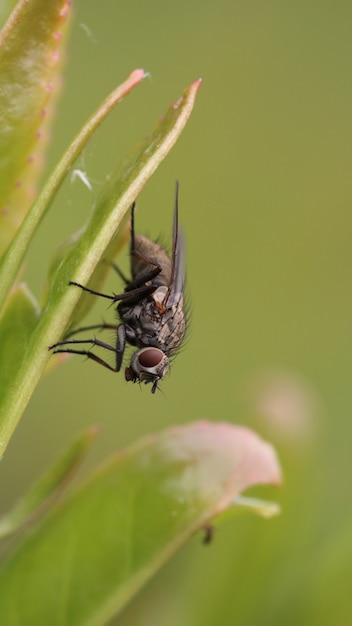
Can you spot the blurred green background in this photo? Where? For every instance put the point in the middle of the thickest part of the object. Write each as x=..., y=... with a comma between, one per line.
x=265, y=199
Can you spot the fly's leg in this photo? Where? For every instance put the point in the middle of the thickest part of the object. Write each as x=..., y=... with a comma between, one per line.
x=139, y=283
x=102, y=326
x=118, y=349
x=136, y=282
x=132, y=244
x=135, y=289
x=135, y=292
x=92, y=291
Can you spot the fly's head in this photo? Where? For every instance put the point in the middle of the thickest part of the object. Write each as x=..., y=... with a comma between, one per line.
x=148, y=365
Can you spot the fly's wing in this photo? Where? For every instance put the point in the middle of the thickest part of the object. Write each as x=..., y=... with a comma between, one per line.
x=177, y=279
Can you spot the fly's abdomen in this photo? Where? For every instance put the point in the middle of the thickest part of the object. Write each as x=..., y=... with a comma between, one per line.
x=151, y=255
x=173, y=328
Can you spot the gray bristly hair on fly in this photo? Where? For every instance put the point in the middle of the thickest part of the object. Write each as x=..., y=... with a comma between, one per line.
x=151, y=310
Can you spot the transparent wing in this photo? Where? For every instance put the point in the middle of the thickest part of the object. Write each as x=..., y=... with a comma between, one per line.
x=177, y=281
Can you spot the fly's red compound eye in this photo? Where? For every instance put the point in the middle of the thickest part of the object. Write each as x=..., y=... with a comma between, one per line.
x=150, y=357
x=148, y=365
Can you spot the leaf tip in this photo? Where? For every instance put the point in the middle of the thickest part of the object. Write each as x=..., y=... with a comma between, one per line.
x=137, y=75
x=197, y=83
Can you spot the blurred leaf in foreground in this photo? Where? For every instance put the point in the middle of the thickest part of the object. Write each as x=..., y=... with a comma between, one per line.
x=89, y=558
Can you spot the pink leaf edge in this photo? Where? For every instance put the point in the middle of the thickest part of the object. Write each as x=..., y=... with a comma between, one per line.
x=233, y=458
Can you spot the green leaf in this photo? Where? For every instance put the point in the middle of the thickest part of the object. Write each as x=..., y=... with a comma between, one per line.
x=83, y=258
x=17, y=323
x=28, y=76
x=100, y=273
x=41, y=495
x=91, y=556
x=12, y=259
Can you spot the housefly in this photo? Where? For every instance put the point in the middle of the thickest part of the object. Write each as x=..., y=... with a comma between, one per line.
x=150, y=310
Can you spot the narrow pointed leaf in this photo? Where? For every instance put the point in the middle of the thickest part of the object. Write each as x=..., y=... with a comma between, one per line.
x=83, y=258
x=100, y=273
x=12, y=259
x=91, y=556
x=28, y=69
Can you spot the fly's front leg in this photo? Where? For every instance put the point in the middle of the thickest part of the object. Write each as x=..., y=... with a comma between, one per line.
x=132, y=292
x=92, y=291
x=118, y=349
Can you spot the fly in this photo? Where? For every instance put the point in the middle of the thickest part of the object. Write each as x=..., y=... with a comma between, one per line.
x=150, y=310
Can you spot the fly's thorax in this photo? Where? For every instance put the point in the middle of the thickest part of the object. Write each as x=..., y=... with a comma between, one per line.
x=147, y=325
x=154, y=253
